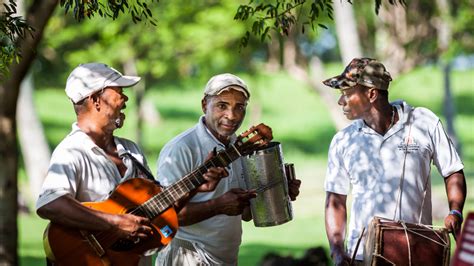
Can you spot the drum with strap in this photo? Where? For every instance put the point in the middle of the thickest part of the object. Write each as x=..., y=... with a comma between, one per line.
x=391, y=242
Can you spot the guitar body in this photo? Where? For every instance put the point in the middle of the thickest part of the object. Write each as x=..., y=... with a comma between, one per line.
x=66, y=246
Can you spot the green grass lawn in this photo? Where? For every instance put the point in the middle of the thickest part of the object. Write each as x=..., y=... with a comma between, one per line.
x=299, y=122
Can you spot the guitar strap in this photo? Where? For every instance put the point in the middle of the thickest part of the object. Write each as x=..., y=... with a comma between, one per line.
x=141, y=167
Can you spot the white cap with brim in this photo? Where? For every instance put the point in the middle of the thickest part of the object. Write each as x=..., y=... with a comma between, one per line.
x=86, y=79
x=222, y=82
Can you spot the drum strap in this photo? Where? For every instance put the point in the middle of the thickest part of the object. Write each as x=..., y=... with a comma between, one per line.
x=357, y=246
x=402, y=176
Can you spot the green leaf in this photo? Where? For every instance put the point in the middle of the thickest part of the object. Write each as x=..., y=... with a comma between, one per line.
x=322, y=26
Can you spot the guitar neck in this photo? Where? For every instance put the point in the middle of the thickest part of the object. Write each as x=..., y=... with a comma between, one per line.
x=162, y=201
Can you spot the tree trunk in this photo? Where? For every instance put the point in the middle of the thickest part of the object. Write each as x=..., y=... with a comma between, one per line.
x=297, y=66
x=448, y=105
x=443, y=25
x=316, y=77
x=402, y=34
x=34, y=146
x=392, y=34
x=346, y=27
x=37, y=17
x=145, y=110
x=274, y=59
x=130, y=68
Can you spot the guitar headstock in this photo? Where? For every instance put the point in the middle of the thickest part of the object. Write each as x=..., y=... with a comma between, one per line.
x=256, y=137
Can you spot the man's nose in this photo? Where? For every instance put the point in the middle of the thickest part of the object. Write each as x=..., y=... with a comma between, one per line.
x=231, y=114
x=342, y=100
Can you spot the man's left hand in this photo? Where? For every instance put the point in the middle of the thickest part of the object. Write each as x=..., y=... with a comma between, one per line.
x=294, y=188
x=453, y=224
x=212, y=176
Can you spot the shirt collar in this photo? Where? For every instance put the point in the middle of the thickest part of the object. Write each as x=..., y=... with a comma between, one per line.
x=402, y=108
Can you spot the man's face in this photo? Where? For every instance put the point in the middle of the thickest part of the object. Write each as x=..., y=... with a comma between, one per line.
x=355, y=102
x=224, y=113
x=113, y=102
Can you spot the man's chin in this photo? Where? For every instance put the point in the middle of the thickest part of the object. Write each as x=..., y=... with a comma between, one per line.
x=119, y=122
x=228, y=132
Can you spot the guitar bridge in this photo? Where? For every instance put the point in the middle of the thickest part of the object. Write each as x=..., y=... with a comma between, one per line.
x=95, y=245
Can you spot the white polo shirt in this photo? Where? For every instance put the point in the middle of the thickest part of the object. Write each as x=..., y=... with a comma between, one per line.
x=81, y=169
x=220, y=235
x=371, y=164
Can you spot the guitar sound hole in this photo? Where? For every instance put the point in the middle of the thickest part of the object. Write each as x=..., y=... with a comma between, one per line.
x=123, y=245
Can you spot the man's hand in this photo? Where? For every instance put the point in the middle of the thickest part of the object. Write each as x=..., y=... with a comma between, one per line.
x=453, y=223
x=340, y=258
x=234, y=201
x=131, y=227
x=212, y=176
x=294, y=188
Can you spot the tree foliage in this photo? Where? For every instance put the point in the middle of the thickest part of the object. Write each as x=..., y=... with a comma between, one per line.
x=139, y=10
x=192, y=38
x=12, y=26
x=281, y=15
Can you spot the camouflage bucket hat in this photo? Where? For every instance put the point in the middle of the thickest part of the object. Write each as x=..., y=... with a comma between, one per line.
x=365, y=71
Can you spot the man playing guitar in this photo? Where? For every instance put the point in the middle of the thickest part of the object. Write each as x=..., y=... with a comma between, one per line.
x=90, y=162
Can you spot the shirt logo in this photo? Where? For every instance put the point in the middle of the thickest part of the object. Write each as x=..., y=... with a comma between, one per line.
x=408, y=145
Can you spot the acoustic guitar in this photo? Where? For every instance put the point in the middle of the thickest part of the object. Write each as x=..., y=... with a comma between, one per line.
x=142, y=197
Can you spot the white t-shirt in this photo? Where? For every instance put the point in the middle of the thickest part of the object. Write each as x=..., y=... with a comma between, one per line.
x=371, y=164
x=81, y=169
x=220, y=235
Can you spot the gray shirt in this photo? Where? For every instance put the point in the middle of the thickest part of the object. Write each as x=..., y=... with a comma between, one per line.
x=218, y=236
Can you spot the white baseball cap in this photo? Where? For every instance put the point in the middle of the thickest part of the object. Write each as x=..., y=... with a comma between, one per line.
x=224, y=82
x=86, y=79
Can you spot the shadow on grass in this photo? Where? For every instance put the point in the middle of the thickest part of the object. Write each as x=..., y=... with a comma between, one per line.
x=464, y=104
x=32, y=261
x=249, y=254
x=253, y=254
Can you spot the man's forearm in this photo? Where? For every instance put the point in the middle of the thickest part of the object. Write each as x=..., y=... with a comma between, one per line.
x=456, y=190
x=195, y=212
x=67, y=211
x=335, y=221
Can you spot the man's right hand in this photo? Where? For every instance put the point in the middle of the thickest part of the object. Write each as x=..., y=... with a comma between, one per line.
x=340, y=258
x=234, y=201
x=131, y=227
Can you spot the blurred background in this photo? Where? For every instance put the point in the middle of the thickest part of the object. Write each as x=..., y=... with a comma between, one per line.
x=427, y=46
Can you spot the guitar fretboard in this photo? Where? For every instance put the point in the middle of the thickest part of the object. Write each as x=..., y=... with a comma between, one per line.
x=163, y=200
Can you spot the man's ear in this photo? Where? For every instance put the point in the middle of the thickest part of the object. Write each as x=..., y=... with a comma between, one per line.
x=373, y=94
x=95, y=100
x=204, y=105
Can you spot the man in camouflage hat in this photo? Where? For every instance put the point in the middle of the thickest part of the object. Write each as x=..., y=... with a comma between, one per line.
x=383, y=158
